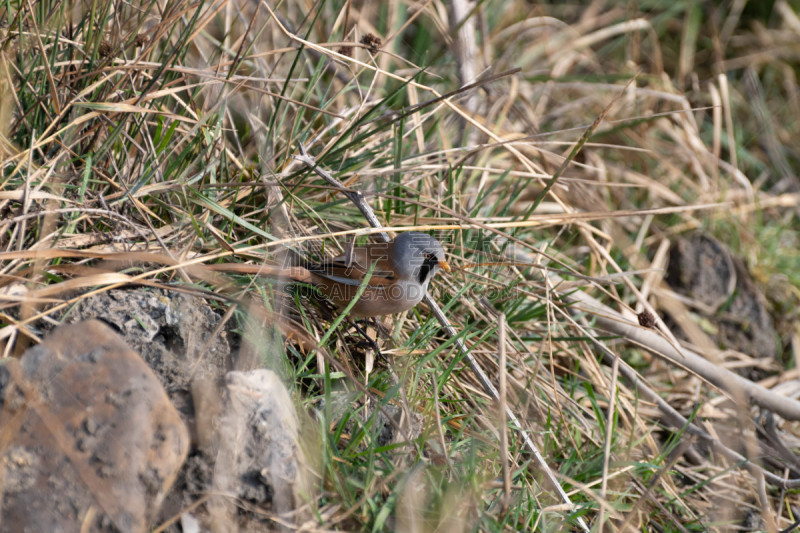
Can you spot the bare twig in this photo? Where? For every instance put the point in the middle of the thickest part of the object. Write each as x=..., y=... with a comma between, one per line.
x=462, y=24
x=502, y=405
x=731, y=384
x=610, y=320
x=612, y=403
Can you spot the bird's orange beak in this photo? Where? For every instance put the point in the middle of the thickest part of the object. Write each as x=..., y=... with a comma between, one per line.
x=444, y=265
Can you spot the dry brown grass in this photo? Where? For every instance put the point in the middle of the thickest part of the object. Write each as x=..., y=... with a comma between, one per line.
x=170, y=129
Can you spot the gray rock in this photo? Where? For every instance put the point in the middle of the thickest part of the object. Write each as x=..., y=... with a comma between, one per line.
x=91, y=438
x=258, y=459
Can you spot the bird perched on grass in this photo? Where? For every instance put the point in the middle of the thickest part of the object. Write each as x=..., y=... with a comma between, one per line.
x=403, y=269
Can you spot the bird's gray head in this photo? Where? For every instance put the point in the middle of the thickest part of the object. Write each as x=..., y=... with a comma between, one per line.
x=417, y=256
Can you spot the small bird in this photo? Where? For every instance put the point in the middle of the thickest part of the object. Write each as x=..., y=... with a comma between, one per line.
x=403, y=269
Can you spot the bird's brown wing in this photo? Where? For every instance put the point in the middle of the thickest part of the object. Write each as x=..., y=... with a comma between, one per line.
x=352, y=270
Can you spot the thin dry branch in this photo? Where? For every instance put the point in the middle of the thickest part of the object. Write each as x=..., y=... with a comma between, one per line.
x=733, y=385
